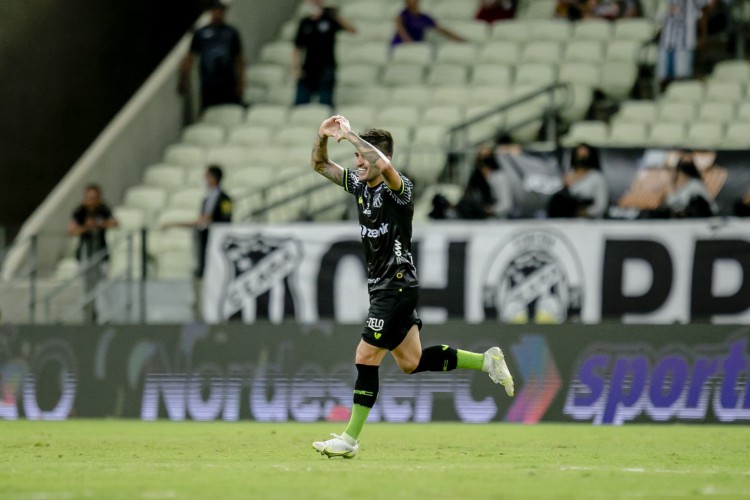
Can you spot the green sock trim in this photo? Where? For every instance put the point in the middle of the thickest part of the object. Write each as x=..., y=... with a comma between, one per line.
x=469, y=360
x=357, y=420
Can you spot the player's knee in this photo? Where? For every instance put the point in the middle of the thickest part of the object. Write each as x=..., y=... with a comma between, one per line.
x=408, y=365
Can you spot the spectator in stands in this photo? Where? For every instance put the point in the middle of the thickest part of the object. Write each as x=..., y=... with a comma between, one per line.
x=90, y=222
x=316, y=36
x=575, y=10
x=679, y=36
x=688, y=196
x=219, y=49
x=488, y=193
x=585, y=192
x=491, y=11
x=216, y=207
x=412, y=25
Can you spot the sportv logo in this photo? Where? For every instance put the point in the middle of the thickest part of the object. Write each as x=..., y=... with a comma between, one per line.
x=614, y=384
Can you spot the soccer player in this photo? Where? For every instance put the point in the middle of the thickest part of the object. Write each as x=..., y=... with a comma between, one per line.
x=386, y=208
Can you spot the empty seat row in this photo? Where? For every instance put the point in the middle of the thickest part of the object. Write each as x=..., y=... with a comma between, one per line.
x=696, y=91
x=677, y=111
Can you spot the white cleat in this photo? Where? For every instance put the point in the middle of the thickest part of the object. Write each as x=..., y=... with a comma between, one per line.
x=336, y=447
x=497, y=369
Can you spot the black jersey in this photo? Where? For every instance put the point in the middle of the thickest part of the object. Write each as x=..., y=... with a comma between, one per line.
x=385, y=220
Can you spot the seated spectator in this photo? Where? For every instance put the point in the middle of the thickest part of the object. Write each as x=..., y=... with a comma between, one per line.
x=585, y=192
x=488, y=193
x=412, y=25
x=90, y=222
x=575, y=10
x=688, y=196
x=491, y=11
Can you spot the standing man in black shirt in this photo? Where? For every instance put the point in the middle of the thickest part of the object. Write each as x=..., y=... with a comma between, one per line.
x=316, y=35
x=219, y=49
x=89, y=222
x=386, y=208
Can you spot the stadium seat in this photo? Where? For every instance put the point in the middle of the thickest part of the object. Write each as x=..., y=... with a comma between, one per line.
x=589, y=132
x=361, y=11
x=456, y=53
x=578, y=99
x=361, y=117
x=264, y=115
x=187, y=155
x=298, y=155
x=516, y=31
x=174, y=264
x=685, y=91
x=295, y=135
x=453, y=11
x=426, y=166
x=638, y=29
x=399, y=115
x=624, y=51
x=542, y=52
x=581, y=73
x=250, y=135
x=725, y=91
x=412, y=95
x=743, y=111
x=618, y=79
x=165, y=176
x=277, y=53
x=403, y=74
x=584, y=51
x=150, y=199
x=447, y=74
x=704, y=135
x=225, y=115
x=716, y=112
x=556, y=30
x=253, y=177
x=442, y=115
x=627, y=134
x=412, y=53
x=195, y=177
x=667, y=135
x=225, y=156
x=203, y=134
x=66, y=269
x=731, y=71
x=500, y=52
x=311, y=115
x=282, y=95
x=288, y=31
x=355, y=74
x=177, y=216
x=737, y=136
x=492, y=74
x=430, y=135
x=129, y=217
x=536, y=9
x=266, y=75
x=374, y=95
x=452, y=95
x=372, y=31
x=377, y=53
x=638, y=112
x=593, y=29
x=471, y=31
x=676, y=111
x=539, y=74
x=187, y=198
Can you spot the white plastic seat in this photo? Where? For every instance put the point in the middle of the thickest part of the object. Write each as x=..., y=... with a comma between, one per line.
x=725, y=91
x=374, y=95
x=266, y=74
x=471, y=31
x=376, y=53
x=731, y=71
x=295, y=135
x=186, y=198
x=627, y=134
x=667, y=135
x=282, y=95
x=430, y=135
x=442, y=115
x=743, y=111
x=177, y=216
x=624, y=51
x=453, y=11
x=277, y=53
x=288, y=31
x=371, y=31
x=252, y=177
x=456, y=53
x=426, y=166
x=512, y=30
x=311, y=115
x=589, y=132
x=267, y=114
x=188, y=155
x=174, y=264
x=452, y=95
x=638, y=29
x=490, y=95
x=412, y=95
x=685, y=91
x=399, y=115
x=150, y=199
x=638, y=112
x=360, y=116
x=500, y=52
x=737, y=136
x=593, y=29
x=203, y=134
x=705, y=135
x=447, y=74
x=556, y=30
x=584, y=51
x=536, y=9
x=676, y=111
x=403, y=74
x=542, y=52
x=226, y=156
x=536, y=73
x=355, y=74
x=129, y=217
x=578, y=101
x=250, y=135
x=618, y=79
x=225, y=115
x=492, y=74
x=412, y=53
x=580, y=72
x=716, y=112
x=362, y=11
x=169, y=177
x=272, y=156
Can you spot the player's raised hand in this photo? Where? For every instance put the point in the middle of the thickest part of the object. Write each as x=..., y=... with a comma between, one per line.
x=330, y=127
x=344, y=127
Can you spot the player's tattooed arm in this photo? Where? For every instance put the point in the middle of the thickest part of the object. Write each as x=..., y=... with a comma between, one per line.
x=320, y=161
x=373, y=155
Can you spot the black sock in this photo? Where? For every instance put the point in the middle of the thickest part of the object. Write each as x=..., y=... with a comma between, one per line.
x=438, y=358
x=366, y=386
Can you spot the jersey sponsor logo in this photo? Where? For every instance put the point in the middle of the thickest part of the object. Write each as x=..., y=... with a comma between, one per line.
x=373, y=281
x=366, y=232
x=535, y=277
x=375, y=324
x=402, y=257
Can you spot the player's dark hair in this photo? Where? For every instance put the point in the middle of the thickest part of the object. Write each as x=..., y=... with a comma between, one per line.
x=381, y=139
x=215, y=172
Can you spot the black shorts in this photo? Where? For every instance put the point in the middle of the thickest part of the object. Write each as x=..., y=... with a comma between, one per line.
x=392, y=314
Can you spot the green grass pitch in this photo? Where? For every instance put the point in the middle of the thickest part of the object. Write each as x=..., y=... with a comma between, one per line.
x=151, y=460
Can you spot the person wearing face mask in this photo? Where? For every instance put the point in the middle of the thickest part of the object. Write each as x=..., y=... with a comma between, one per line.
x=688, y=196
x=585, y=193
